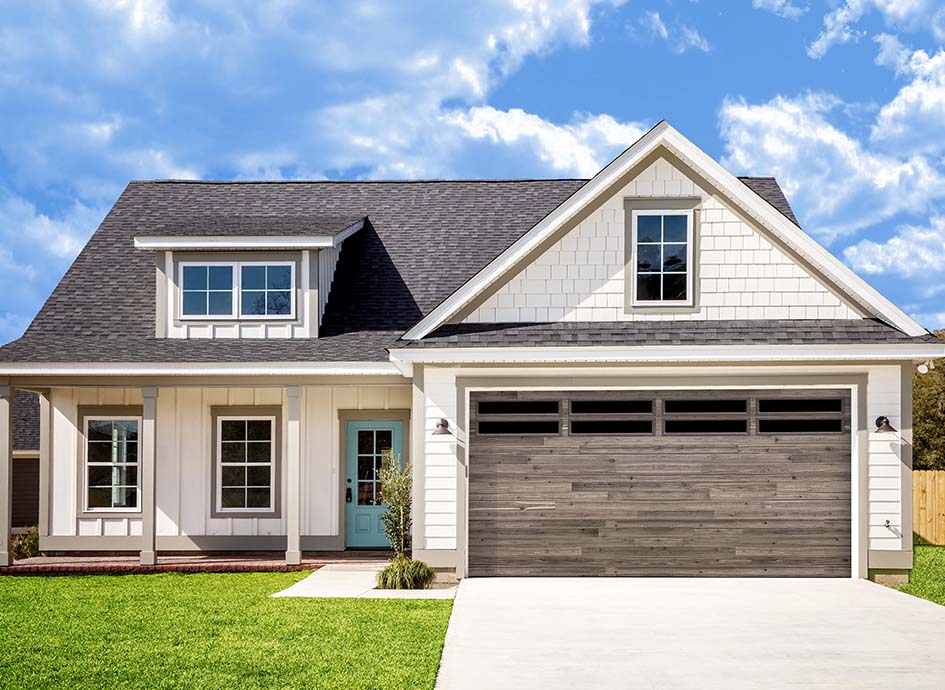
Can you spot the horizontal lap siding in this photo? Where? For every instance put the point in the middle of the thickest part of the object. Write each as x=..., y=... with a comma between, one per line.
x=671, y=505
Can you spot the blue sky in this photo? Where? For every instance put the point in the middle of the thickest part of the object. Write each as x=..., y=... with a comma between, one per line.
x=844, y=101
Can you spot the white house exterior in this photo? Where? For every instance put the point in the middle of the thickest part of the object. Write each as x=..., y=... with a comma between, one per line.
x=653, y=372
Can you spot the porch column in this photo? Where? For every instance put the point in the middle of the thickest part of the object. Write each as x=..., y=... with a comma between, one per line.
x=293, y=477
x=45, y=459
x=148, y=462
x=6, y=473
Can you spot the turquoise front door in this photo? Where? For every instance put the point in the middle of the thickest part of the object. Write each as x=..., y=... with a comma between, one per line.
x=365, y=443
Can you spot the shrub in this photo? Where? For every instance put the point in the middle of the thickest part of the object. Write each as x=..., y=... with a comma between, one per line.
x=406, y=573
x=396, y=494
x=25, y=545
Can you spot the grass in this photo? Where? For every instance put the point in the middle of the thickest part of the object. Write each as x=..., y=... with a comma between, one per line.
x=928, y=574
x=210, y=631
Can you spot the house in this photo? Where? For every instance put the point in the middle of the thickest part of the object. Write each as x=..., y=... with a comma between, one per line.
x=651, y=372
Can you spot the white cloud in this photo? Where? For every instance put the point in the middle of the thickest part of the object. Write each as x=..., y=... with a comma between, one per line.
x=912, y=251
x=679, y=39
x=838, y=185
x=892, y=53
x=23, y=226
x=914, y=120
x=782, y=8
x=144, y=19
x=840, y=25
x=579, y=148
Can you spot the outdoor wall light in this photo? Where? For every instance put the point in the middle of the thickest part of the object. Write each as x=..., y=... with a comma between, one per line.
x=883, y=426
x=442, y=428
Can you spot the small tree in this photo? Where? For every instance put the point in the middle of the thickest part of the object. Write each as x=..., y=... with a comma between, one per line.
x=396, y=494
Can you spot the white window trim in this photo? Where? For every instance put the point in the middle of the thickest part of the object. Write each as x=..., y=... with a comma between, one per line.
x=218, y=459
x=85, y=465
x=690, y=268
x=234, y=292
x=237, y=292
x=266, y=317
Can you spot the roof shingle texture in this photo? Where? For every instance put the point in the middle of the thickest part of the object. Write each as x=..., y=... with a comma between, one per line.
x=25, y=421
x=422, y=240
x=603, y=334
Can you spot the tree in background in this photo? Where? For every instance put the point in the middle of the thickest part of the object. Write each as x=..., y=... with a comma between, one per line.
x=928, y=417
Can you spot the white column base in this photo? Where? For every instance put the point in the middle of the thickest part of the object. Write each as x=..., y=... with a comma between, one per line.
x=5, y=559
x=293, y=557
x=148, y=558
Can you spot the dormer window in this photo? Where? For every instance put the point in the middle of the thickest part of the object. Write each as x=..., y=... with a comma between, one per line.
x=661, y=258
x=207, y=291
x=266, y=290
x=229, y=290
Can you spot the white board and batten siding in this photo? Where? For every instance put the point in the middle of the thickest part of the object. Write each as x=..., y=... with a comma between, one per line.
x=184, y=456
x=444, y=454
x=742, y=274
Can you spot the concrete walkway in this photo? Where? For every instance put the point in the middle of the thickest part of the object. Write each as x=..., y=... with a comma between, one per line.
x=356, y=581
x=538, y=633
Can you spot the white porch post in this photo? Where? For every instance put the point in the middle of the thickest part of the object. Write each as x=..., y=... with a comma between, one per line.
x=148, y=462
x=6, y=473
x=293, y=479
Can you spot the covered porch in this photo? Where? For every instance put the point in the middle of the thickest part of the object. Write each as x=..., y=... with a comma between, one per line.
x=178, y=520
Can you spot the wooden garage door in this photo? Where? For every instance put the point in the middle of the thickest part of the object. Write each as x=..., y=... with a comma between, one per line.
x=682, y=483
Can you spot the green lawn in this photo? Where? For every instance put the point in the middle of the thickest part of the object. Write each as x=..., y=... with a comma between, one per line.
x=210, y=631
x=928, y=574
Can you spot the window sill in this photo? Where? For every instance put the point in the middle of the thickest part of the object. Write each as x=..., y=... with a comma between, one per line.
x=106, y=513
x=225, y=514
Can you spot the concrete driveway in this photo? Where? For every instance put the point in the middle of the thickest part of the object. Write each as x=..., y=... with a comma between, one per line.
x=690, y=633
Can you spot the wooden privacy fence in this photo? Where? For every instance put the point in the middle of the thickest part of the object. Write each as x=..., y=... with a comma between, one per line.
x=928, y=505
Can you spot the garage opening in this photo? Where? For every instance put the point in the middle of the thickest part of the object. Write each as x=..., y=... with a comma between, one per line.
x=660, y=483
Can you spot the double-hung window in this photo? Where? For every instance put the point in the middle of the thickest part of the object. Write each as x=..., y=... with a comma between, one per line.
x=246, y=464
x=662, y=258
x=111, y=464
x=237, y=290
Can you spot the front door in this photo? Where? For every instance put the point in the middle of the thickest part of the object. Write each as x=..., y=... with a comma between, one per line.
x=365, y=443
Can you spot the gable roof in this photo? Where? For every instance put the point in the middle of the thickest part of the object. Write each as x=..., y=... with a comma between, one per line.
x=664, y=137
x=421, y=242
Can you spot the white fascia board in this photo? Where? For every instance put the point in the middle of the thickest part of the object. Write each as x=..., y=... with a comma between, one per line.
x=199, y=369
x=664, y=134
x=530, y=240
x=222, y=242
x=657, y=353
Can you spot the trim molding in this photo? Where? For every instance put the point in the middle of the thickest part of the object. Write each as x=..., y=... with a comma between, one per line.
x=673, y=353
x=204, y=368
x=217, y=242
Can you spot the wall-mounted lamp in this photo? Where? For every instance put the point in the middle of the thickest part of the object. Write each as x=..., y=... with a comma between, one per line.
x=883, y=426
x=926, y=366
x=442, y=428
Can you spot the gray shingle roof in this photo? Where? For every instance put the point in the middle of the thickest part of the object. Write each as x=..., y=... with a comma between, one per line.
x=25, y=421
x=602, y=334
x=422, y=240
x=322, y=224
x=769, y=190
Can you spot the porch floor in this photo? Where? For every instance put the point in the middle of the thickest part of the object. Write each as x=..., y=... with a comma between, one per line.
x=229, y=562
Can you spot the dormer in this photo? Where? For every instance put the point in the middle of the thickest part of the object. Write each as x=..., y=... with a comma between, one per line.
x=245, y=277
